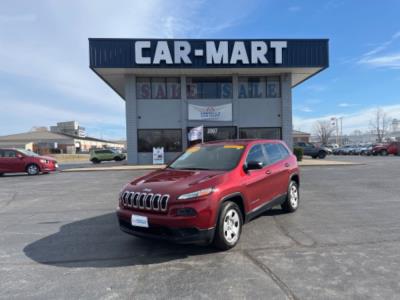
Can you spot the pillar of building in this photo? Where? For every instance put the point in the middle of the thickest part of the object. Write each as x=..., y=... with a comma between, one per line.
x=286, y=113
x=131, y=119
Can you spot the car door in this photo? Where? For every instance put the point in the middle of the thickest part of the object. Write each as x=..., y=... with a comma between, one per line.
x=11, y=162
x=277, y=169
x=257, y=185
x=2, y=162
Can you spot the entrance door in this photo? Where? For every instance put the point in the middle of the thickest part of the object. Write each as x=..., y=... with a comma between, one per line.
x=216, y=133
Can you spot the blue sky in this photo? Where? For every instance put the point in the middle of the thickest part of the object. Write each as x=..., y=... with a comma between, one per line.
x=44, y=74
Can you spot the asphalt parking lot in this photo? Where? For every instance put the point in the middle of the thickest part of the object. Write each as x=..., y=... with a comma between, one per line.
x=59, y=239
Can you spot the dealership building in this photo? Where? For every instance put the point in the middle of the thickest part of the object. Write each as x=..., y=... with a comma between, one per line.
x=234, y=88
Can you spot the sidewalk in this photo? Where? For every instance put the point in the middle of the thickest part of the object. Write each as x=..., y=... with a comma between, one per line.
x=305, y=163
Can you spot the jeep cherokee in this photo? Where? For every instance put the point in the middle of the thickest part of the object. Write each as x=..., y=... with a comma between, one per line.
x=210, y=191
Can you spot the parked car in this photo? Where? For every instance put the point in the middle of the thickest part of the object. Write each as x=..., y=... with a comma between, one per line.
x=20, y=160
x=210, y=191
x=313, y=150
x=99, y=155
x=366, y=149
x=386, y=149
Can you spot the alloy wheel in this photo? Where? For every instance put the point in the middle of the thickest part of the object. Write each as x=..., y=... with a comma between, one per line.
x=231, y=226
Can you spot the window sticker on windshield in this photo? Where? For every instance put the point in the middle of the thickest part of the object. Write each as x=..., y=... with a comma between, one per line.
x=234, y=147
x=193, y=149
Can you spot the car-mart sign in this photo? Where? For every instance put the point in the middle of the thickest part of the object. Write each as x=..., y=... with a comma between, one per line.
x=205, y=53
x=223, y=52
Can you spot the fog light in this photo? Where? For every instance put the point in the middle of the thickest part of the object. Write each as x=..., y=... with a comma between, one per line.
x=185, y=212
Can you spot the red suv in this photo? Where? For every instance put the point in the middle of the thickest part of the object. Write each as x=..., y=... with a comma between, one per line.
x=386, y=149
x=19, y=160
x=210, y=191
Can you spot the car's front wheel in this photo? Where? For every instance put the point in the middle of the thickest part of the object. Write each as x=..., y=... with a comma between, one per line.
x=384, y=153
x=229, y=226
x=322, y=154
x=293, y=197
x=32, y=169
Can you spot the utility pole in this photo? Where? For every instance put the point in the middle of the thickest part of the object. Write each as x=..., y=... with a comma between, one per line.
x=341, y=130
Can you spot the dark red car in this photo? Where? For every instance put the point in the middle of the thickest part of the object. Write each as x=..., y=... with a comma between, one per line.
x=18, y=160
x=210, y=191
x=386, y=149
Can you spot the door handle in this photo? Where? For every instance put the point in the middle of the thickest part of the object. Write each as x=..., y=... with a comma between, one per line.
x=268, y=172
x=287, y=165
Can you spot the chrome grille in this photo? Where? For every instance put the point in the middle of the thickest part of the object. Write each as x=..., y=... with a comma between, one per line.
x=145, y=201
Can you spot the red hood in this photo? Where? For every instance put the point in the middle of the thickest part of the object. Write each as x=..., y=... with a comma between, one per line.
x=169, y=181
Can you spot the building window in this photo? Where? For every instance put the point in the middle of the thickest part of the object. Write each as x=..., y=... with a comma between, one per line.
x=170, y=139
x=158, y=88
x=273, y=87
x=251, y=87
x=260, y=133
x=216, y=133
x=209, y=88
x=259, y=87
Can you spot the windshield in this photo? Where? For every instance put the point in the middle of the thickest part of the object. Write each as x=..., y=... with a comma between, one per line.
x=28, y=152
x=210, y=157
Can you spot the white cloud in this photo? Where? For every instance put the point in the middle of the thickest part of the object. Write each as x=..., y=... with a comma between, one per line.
x=374, y=58
x=294, y=8
x=351, y=121
x=305, y=109
x=345, y=104
x=390, y=61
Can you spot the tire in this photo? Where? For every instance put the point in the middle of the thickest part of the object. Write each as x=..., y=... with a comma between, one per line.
x=383, y=153
x=321, y=154
x=292, y=199
x=1, y=174
x=96, y=161
x=229, y=226
x=117, y=158
x=32, y=169
x=314, y=157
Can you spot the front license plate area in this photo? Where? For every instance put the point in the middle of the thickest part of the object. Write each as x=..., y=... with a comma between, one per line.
x=139, y=221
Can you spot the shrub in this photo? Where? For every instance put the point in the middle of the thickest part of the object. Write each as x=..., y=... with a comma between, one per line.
x=299, y=153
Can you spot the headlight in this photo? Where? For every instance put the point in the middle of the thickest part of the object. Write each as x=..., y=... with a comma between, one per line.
x=201, y=193
x=43, y=161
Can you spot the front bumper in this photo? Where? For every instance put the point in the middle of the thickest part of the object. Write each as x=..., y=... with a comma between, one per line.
x=177, y=235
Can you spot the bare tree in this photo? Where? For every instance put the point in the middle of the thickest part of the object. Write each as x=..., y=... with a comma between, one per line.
x=323, y=130
x=380, y=124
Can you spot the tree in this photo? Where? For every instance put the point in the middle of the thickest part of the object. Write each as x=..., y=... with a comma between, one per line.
x=380, y=124
x=323, y=130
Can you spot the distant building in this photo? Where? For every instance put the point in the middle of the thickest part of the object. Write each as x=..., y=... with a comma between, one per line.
x=299, y=136
x=70, y=127
x=44, y=142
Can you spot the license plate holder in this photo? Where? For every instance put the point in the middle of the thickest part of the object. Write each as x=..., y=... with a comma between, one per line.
x=139, y=221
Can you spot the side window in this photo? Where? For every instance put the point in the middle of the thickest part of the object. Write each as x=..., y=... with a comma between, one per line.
x=274, y=153
x=9, y=153
x=256, y=153
x=1, y=153
x=285, y=153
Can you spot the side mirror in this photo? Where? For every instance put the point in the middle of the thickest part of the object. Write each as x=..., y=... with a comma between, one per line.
x=20, y=156
x=253, y=165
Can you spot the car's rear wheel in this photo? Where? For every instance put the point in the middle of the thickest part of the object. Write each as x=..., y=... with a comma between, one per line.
x=293, y=197
x=322, y=154
x=1, y=174
x=229, y=226
x=32, y=169
x=383, y=152
x=95, y=161
x=117, y=158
